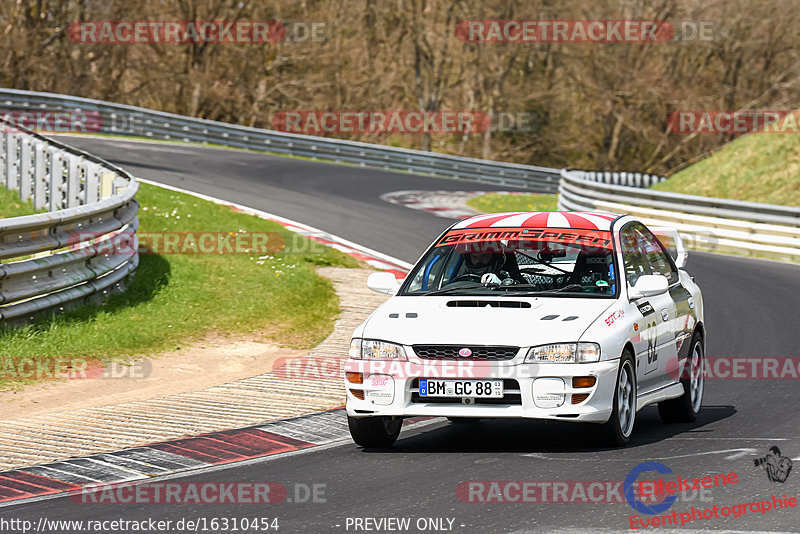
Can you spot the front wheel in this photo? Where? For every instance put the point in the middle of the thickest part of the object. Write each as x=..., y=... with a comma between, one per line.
x=379, y=431
x=685, y=408
x=618, y=429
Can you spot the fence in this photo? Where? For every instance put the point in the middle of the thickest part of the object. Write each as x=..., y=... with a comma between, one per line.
x=72, y=253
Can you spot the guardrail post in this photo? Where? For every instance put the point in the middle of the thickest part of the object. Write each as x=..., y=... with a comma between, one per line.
x=56, y=179
x=91, y=186
x=25, y=169
x=11, y=161
x=3, y=137
x=73, y=180
x=40, y=165
x=106, y=184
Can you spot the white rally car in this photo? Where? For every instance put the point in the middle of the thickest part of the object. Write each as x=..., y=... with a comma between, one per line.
x=569, y=316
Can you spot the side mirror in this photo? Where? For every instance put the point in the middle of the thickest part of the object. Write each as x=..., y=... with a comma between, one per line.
x=648, y=285
x=384, y=283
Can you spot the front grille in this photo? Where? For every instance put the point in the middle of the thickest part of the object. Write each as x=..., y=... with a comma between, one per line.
x=511, y=395
x=451, y=352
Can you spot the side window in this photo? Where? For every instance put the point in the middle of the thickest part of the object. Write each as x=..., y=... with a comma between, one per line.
x=633, y=256
x=657, y=255
x=424, y=278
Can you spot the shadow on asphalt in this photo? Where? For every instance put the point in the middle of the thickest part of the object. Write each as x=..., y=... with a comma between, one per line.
x=524, y=436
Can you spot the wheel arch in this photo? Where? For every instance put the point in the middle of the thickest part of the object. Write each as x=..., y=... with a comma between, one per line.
x=701, y=329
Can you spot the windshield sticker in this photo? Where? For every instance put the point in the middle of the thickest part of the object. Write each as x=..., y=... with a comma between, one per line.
x=517, y=236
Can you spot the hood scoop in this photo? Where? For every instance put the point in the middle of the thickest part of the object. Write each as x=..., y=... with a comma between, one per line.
x=484, y=303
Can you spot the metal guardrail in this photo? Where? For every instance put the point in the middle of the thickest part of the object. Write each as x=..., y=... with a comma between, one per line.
x=83, y=247
x=118, y=119
x=704, y=223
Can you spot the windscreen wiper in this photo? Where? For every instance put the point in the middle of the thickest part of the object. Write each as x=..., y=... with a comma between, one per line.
x=568, y=287
x=454, y=289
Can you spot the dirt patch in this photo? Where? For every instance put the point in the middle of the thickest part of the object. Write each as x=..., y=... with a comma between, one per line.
x=215, y=360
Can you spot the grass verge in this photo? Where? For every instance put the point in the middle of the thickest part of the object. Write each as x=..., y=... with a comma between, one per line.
x=758, y=167
x=12, y=206
x=178, y=298
x=500, y=202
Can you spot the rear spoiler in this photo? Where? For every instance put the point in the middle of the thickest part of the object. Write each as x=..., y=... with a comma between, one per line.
x=681, y=254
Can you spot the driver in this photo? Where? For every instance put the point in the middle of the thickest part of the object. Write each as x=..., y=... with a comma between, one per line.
x=480, y=263
x=482, y=259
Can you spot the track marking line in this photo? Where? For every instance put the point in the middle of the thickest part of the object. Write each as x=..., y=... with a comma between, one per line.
x=739, y=453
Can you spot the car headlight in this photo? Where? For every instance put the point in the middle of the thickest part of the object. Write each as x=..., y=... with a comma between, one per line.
x=564, y=353
x=355, y=348
x=379, y=350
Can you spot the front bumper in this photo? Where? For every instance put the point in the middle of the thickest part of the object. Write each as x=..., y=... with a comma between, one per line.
x=535, y=391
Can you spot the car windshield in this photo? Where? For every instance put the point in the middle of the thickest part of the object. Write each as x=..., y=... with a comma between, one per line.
x=517, y=261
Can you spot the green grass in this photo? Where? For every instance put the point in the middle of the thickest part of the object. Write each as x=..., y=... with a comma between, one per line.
x=177, y=298
x=499, y=202
x=12, y=206
x=759, y=167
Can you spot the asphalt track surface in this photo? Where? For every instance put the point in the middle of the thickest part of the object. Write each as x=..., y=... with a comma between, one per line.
x=751, y=311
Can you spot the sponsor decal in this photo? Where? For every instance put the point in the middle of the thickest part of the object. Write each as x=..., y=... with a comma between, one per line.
x=614, y=316
x=646, y=308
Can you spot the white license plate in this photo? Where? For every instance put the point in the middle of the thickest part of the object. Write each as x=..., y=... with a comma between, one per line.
x=480, y=389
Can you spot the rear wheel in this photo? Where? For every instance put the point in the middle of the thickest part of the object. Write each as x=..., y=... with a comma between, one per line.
x=618, y=429
x=380, y=431
x=685, y=408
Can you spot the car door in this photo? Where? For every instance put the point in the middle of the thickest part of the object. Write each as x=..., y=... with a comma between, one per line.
x=654, y=342
x=683, y=319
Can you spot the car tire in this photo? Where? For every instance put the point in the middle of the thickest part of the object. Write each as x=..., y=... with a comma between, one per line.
x=463, y=420
x=619, y=427
x=379, y=431
x=685, y=408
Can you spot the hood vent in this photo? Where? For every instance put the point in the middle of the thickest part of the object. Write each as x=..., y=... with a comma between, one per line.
x=484, y=303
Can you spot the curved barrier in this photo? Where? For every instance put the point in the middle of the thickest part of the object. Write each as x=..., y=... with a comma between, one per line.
x=118, y=119
x=83, y=247
x=703, y=222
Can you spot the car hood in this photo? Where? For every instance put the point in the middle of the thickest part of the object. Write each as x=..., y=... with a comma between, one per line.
x=481, y=321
